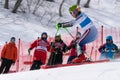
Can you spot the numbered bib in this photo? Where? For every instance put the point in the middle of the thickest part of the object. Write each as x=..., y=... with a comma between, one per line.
x=41, y=47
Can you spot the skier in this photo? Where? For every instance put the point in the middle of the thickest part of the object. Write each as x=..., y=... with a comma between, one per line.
x=108, y=49
x=83, y=21
x=74, y=57
x=41, y=47
x=8, y=56
x=57, y=49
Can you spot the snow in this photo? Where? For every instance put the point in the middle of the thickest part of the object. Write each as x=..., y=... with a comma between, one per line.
x=20, y=25
x=28, y=27
x=97, y=71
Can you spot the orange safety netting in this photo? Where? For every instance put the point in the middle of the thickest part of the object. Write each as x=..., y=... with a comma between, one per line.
x=91, y=50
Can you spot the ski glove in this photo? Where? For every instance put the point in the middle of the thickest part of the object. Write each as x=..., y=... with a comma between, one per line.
x=29, y=50
x=60, y=25
x=64, y=25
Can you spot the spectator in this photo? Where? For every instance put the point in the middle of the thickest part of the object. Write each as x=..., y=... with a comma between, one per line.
x=75, y=55
x=40, y=54
x=57, y=49
x=108, y=49
x=8, y=56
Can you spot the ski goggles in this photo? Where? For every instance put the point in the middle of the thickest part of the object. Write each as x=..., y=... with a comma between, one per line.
x=108, y=40
x=74, y=12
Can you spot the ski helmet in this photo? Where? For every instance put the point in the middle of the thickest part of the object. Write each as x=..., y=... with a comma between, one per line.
x=75, y=10
x=72, y=8
x=42, y=37
x=109, y=38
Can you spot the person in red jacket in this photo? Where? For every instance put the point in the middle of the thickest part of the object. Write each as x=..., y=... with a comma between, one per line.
x=8, y=56
x=74, y=56
x=40, y=54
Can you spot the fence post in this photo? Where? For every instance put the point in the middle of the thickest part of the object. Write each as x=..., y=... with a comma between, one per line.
x=91, y=52
x=18, y=51
x=102, y=34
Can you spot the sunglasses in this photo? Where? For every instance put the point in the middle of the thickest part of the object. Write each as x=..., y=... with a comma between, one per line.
x=74, y=12
x=71, y=12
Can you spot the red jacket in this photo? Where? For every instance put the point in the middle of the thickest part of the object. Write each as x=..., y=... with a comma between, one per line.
x=41, y=48
x=73, y=49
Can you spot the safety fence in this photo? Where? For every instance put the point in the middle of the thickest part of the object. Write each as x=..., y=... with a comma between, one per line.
x=24, y=60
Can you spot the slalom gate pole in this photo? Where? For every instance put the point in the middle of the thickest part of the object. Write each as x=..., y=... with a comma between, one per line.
x=102, y=35
x=76, y=30
x=91, y=52
x=17, y=66
x=95, y=55
x=22, y=52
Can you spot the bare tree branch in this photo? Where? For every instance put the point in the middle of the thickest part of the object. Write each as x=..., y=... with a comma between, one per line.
x=60, y=13
x=36, y=6
x=50, y=0
x=87, y=4
x=78, y=2
x=29, y=4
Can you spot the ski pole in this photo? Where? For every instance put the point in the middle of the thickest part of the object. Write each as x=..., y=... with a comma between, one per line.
x=76, y=31
x=69, y=33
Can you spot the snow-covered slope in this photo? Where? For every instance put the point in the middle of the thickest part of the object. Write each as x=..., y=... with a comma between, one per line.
x=98, y=71
x=28, y=27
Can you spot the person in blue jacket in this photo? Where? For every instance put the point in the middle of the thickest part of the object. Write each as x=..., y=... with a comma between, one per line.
x=108, y=49
x=82, y=21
